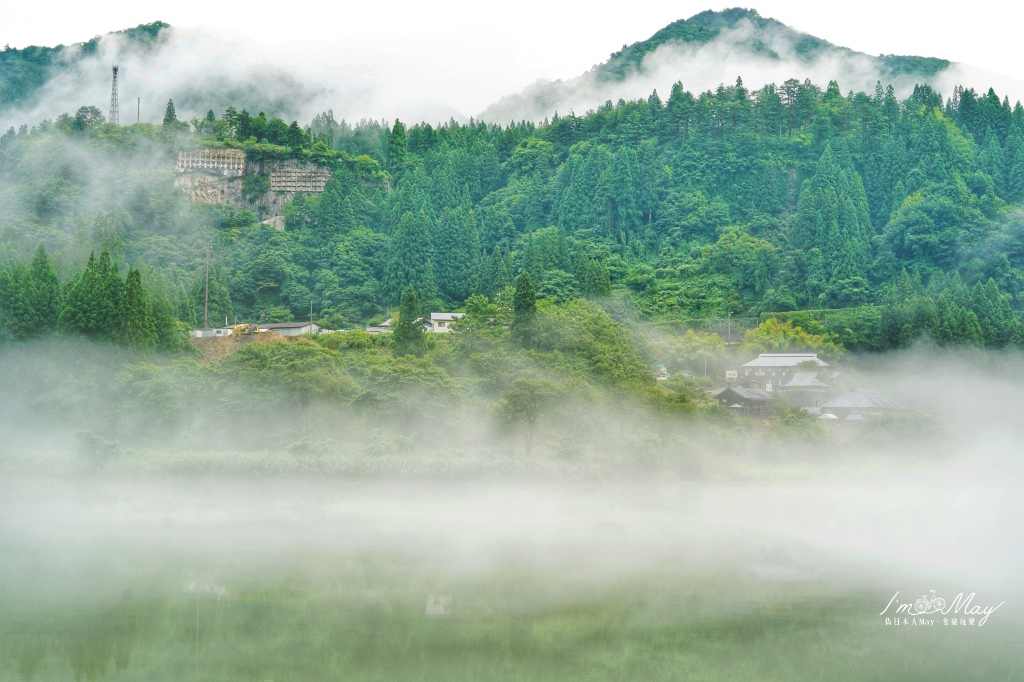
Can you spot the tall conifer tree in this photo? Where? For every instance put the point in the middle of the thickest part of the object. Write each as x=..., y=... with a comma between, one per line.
x=524, y=310
x=138, y=328
x=410, y=258
x=45, y=292
x=408, y=332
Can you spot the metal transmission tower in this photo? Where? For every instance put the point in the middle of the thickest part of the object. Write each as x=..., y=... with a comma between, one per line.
x=114, y=114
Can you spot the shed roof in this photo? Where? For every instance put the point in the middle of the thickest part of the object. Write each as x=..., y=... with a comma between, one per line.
x=864, y=398
x=785, y=360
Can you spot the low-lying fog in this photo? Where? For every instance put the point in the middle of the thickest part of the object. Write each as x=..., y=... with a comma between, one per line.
x=955, y=526
x=909, y=515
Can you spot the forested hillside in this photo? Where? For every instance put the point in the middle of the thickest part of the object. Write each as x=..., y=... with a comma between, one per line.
x=790, y=197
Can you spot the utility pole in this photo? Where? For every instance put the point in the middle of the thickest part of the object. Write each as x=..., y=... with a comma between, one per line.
x=310, y=316
x=197, y=630
x=206, y=303
x=138, y=111
x=729, y=343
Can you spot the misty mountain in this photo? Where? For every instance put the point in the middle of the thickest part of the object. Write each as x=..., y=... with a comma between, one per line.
x=157, y=62
x=711, y=48
x=25, y=73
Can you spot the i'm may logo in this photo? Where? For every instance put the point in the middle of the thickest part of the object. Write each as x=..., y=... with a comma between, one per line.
x=961, y=611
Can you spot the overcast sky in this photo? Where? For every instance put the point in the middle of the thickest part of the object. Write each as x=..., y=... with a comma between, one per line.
x=468, y=54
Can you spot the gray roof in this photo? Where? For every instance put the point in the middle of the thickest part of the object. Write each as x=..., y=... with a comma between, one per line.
x=805, y=380
x=446, y=317
x=864, y=398
x=785, y=360
x=748, y=393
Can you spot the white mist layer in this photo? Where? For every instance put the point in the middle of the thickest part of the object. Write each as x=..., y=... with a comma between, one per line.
x=952, y=526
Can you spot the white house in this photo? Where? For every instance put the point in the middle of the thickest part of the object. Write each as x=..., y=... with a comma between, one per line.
x=442, y=322
x=290, y=328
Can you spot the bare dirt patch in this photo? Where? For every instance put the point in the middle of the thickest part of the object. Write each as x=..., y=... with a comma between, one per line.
x=214, y=349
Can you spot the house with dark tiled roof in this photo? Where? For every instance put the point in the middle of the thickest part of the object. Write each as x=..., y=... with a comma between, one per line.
x=753, y=402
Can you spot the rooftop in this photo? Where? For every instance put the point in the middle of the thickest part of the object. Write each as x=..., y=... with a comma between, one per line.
x=785, y=360
x=805, y=380
x=446, y=317
x=748, y=393
x=864, y=398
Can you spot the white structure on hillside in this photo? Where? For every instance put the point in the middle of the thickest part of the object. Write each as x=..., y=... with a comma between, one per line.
x=442, y=322
x=209, y=333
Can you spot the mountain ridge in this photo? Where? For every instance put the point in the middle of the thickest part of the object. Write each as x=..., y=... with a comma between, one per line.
x=761, y=38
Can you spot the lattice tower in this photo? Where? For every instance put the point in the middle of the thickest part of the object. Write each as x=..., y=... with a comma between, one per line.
x=114, y=114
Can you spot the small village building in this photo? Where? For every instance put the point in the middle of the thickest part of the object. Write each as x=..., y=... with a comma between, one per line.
x=752, y=402
x=859, y=405
x=805, y=389
x=382, y=328
x=211, y=332
x=290, y=328
x=771, y=370
x=442, y=322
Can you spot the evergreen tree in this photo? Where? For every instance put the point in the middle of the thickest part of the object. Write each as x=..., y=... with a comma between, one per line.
x=92, y=306
x=832, y=216
x=410, y=260
x=296, y=137
x=17, y=316
x=394, y=149
x=185, y=310
x=170, y=117
x=592, y=277
x=1014, y=166
x=995, y=315
x=524, y=309
x=30, y=297
x=138, y=328
x=45, y=295
x=408, y=334
x=457, y=247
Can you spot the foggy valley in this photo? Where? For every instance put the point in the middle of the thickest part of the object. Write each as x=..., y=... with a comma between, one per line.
x=704, y=364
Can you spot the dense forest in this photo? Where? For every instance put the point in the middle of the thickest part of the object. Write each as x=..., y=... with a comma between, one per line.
x=889, y=220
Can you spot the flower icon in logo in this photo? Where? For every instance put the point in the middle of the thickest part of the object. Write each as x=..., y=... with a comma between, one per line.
x=929, y=603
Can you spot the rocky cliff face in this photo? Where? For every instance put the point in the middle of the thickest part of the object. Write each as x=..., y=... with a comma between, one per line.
x=263, y=187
